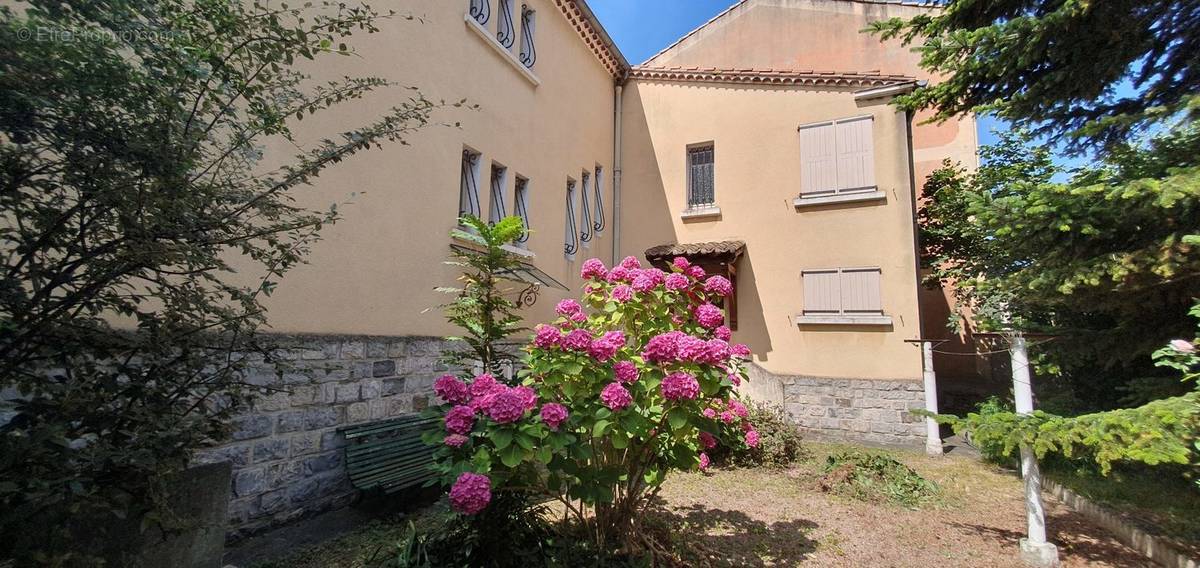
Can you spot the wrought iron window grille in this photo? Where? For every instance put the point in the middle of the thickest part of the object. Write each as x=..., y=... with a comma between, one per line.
x=586, y=234
x=528, y=50
x=701, y=192
x=506, y=32
x=522, y=207
x=468, y=197
x=598, y=224
x=481, y=10
x=571, y=245
x=497, y=211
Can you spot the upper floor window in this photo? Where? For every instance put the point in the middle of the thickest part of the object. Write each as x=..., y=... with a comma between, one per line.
x=571, y=235
x=521, y=204
x=506, y=32
x=528, y=27
x=842, y=295
x=700, y=189
x=481, y=10
x=598, y=216
x=468, y=194
x=585, y=224
x=496, y=208
x=837, y=157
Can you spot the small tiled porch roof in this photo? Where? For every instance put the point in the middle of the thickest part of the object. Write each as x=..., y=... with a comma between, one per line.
x=719, y=248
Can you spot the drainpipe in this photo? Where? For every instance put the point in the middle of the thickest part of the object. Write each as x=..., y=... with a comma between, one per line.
x=616, y=242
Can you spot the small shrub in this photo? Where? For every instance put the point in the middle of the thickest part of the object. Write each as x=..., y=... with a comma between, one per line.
x=876, y=477
x=780, y=441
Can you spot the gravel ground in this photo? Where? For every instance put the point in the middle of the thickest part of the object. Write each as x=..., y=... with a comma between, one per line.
x=755, y=517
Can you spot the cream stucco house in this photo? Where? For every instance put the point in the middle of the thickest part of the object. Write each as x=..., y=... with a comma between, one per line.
x=761, y=145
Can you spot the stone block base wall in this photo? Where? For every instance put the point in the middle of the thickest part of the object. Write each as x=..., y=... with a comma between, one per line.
x=286, y=452
x=865, y=410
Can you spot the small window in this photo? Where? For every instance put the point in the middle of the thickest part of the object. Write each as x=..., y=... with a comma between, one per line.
x=598, y=213
x=521, y=203
x=468, y=194
x=571, y=234
x=837, y=157
x=585, y=224
x=480, y=10
x=506, y=32
x=842, y=292
x=700, y=177
x=528, y=28
x=497, y=209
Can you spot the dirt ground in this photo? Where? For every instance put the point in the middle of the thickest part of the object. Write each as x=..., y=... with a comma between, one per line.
x=758, y=517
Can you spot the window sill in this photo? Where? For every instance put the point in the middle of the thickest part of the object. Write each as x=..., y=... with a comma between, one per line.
x=504, y=52
x=808, y=319
x=855, y=197
x=708, y=212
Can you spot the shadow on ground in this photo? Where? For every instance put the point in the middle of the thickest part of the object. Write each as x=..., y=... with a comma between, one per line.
x=1069, y=533
x=731, y=538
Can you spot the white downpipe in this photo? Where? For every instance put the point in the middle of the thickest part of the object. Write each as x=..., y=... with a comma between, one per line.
x=616, y=246
x=933, y=434
x=1034, y=548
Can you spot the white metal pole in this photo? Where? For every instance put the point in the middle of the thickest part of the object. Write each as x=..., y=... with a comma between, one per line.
x=1034, y=549
x=933, y=435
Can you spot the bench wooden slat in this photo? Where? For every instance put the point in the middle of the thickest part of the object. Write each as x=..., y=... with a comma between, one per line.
x=389, y=454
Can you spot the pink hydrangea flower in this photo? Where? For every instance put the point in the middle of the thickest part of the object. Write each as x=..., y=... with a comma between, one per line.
x=690, y=348
x=619, y=274
x=740, y=350
x=735, y=379
x=680, y=263
x=508, y=406
x=578, y=317
x=695, y=271
x=631, y=263
x=709, y=316
x=593, y=269
x=460, y=419
x=625, y=371
x=577, y=340
x=483, y=384
x=728, y=417
x=528, y=396
x=709, y=413
x=1182, y=346
x=739, y=409
x=452, y=390
x=716, y=351
x=644, y=282
x=680, y=386
x=752, y=438
x=704, y=461
x=718, y=285
x=656, y=275
x=471, y=493
x=723, y=333
x=455, y=440
x=554, y=414
x=607, y=345
x=676, y=281
x=622, y=293
x=662, y=348
x=546, y=336
x=568, y=307
x=707, y=440
x=615, y=396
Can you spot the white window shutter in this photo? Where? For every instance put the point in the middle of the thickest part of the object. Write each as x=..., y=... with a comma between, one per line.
x=818, y=159
x=860, y=290
x=821, y=293
x=855, y=154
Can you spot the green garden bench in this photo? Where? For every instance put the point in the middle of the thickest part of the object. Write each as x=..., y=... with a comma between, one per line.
x=389, y=455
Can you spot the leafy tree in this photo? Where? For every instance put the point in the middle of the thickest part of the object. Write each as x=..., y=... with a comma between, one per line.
x=1057, y=66
x=132, y=181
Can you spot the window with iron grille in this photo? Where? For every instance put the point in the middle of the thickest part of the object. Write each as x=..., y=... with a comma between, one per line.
x=468, y=194
x=571, y=236
x=528, y=27
x=585, y=224
x=701, y=192
x=496, y=208
x=481, y=10
x=506, y=32
x=598, y=215
x=842, y=292
x=521, y=204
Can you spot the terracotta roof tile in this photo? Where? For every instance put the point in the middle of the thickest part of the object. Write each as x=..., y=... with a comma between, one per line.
x=696, y=249
x=769, y=76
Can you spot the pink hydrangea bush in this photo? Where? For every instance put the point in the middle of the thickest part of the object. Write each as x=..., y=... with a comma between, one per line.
x=631, y=381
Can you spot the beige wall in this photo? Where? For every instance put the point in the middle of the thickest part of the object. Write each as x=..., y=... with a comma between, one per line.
x=757, y=173
x=375, y=271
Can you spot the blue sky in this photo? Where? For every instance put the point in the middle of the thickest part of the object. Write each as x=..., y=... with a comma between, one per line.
x=643, y=27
